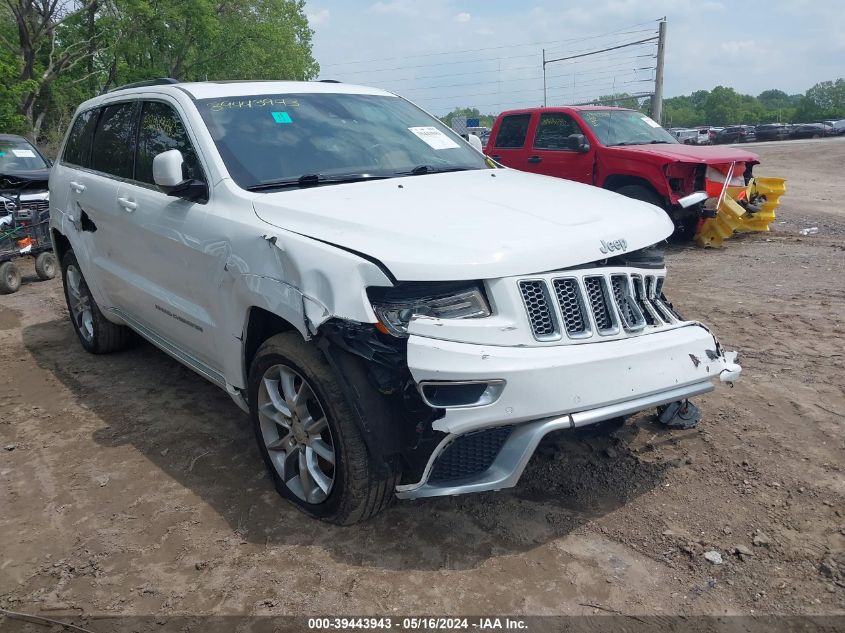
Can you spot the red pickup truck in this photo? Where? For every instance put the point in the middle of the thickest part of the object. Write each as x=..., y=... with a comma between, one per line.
x=621, y=150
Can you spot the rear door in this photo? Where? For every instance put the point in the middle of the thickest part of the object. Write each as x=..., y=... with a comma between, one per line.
x=509, y=144
x=169, y=248
x=550, y=153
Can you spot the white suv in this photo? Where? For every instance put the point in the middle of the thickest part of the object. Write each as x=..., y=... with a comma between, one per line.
x=399, y=315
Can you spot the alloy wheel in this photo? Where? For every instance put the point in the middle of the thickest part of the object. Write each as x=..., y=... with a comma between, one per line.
x=296, y=433
x=79, y=301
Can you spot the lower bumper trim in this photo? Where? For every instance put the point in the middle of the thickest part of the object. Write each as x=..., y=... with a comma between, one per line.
x=514, y=455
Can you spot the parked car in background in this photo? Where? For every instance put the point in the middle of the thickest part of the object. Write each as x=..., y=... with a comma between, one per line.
x=397, y=314
x=772, y=132
x=712, y=132
x=703, y=137
x=691, y=136
x=812, y=130
x=838, y=127
x=687, y=136
x=735, y=134
x=23, y=173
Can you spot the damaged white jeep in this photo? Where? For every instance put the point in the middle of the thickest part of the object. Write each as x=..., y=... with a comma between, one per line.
x=399, y=315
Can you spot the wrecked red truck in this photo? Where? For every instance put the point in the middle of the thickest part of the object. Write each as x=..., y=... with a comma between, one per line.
x=707, y=191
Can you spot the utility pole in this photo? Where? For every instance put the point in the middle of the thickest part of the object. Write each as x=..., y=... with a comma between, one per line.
x=544, y=77
x=657, y=99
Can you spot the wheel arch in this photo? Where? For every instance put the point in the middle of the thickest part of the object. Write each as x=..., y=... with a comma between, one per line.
x=614, y=182
x=261, y=324
x=61, y=244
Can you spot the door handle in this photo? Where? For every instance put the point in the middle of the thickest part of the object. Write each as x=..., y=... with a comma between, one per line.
x=127, y=204
x=535, y=159
x=78, y=187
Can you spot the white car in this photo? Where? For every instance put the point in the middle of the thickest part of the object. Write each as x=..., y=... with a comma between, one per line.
x=399, y=315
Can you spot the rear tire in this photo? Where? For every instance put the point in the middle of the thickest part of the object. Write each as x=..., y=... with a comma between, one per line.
x=304, y=423
x=97, y=334
x=46, y=265
x=10, y=278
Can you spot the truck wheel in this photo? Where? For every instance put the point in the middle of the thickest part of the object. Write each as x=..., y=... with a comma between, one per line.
x=10, y=278
x=638, y=192
x=97, y=334
x=45, y=266
x=308, y=436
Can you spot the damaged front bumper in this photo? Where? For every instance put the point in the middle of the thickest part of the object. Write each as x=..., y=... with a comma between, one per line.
x=543, y=389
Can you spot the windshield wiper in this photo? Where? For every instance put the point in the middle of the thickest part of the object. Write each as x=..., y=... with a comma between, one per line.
x=313, y=180
x=420, y=170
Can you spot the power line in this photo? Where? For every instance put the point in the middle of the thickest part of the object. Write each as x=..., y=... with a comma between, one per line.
x=477, y=50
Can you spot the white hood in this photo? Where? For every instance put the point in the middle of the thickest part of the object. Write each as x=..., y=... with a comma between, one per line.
x=482, y=224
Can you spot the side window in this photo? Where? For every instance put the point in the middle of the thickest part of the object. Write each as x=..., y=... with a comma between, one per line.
x=554, y=130
x=513, y=130
x=114, y=141
x=78, y=147
x=162, y=130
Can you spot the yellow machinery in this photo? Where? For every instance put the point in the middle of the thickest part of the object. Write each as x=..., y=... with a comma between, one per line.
x=740, y=209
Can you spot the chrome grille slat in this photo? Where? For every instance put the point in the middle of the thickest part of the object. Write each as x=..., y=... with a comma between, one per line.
x=600, y=304
x=541, y=315
x=632, y=318
x=590, y=302
x=654, y=286
x=576, y=323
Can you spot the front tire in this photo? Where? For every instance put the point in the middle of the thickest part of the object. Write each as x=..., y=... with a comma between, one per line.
x=308, y=436
x=685, y=225
x=97, y=334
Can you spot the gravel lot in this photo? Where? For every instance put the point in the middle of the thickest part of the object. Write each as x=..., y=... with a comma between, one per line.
x=129, y=485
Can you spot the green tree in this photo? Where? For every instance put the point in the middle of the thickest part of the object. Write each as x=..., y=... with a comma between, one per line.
x=774, y=99
x=67, y=51
x=825, y=100
x=723, y=106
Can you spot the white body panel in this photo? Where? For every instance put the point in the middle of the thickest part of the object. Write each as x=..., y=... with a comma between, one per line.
x=468, y=225
x=187, y=274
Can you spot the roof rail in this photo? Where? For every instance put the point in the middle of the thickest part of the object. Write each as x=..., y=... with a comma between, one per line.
x=330, y=81
x=161, y=81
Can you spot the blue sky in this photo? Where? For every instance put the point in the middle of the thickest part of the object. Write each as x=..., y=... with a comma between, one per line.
x=448, y=53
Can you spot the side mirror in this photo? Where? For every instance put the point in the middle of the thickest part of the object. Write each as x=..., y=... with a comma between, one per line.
x=476, y=143
x=578, y=143
x=167, y=175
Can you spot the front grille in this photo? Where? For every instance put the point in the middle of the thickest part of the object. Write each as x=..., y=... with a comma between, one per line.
x=632, y=318
x=34, y=211
x=599, y=302
x=537, y=303
x=572, y=308
x=34, y=205
x=469, y=455
x=596, y=302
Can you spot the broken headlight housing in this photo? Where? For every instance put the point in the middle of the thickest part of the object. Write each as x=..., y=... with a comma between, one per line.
x=395, y=306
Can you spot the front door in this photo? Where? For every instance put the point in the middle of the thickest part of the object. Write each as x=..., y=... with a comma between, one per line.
x=550, y=154
x=172, y=273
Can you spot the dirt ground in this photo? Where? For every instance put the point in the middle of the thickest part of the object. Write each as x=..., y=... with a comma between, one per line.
x=129, y=485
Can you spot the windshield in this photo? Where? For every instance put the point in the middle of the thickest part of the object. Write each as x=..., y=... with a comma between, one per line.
x=18, y=155
x=284, y=137
x=625, y=127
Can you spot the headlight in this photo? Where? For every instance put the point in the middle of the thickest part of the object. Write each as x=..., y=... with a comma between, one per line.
x=394, y=307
